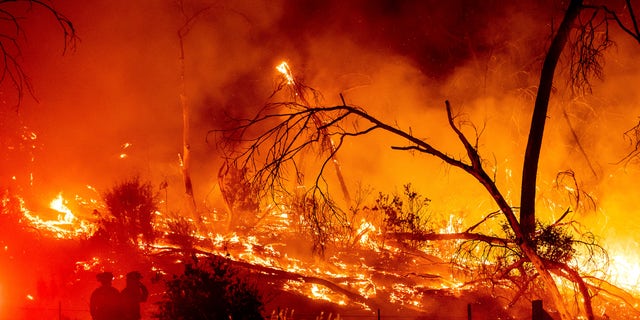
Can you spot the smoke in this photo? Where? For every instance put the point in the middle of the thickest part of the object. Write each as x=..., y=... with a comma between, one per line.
x=111, y=108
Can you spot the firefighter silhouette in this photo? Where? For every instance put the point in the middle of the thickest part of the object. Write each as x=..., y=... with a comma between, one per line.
x=132, y=295
x=105, y=302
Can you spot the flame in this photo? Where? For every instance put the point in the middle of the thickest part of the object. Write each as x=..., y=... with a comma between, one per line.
x=58, y=204
x=284, y=68
x=624, y=269
x=66, y=226
x=355, y=275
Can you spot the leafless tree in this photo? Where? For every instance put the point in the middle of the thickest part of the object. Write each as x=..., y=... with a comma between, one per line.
x=185, y=157
x=585, y=28
x=287, y=133
x=273, y=142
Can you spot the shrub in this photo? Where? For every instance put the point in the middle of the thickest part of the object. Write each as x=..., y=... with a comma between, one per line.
x=131, y=205
x=209, y=290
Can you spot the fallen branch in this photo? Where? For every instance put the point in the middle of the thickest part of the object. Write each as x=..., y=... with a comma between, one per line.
x=452, y=236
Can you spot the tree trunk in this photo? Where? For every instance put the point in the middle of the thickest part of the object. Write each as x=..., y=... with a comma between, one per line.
x=528, y=250
x=536, y=131
x=185, y=164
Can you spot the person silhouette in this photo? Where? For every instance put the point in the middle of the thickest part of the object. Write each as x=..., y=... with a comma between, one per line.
x=132, y=295
x=105, y=302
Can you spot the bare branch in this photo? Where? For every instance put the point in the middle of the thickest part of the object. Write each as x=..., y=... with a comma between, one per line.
x=632, y=30
x=633, y=135
x=11, y=68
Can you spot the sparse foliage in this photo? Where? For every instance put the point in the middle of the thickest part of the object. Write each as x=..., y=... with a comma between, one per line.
x=406, y=213
x=240, y=193
x=554, y=243
x=586, y=49
x=318, y=219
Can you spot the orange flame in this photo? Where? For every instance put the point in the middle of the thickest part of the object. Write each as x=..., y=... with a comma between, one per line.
x=58, y=204
x=284, y=68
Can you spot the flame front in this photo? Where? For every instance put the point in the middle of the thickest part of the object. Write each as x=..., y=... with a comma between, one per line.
x=66, y=226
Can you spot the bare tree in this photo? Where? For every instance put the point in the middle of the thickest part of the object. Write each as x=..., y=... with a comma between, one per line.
x=11, y=12
x=289, y=133
x=185, y=158
x=585, y=28
x=274, y=141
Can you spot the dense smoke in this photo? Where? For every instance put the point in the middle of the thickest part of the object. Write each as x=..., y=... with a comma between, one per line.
x=110, y=109
x=398, y=59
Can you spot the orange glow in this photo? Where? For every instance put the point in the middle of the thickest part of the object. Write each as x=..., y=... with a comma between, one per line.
x=624, y=269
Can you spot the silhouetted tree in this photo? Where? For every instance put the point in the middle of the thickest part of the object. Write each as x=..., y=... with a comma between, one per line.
x=209, y=289
x=131, y=205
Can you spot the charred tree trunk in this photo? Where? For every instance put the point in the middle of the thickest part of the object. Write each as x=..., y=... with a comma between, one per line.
x=536, y=131
x=185, y=162
x=185, y=159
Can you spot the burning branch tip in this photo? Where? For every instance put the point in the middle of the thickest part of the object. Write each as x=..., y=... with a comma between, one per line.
x=285, y=70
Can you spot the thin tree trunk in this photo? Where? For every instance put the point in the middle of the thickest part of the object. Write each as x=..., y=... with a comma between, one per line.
x=536, y=131
x=528, y=250
x=185, y=164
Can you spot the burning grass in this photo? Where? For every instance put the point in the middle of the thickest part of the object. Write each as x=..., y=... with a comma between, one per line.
x=365, y=268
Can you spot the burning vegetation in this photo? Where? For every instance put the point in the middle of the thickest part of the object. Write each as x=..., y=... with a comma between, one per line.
x=294, y=205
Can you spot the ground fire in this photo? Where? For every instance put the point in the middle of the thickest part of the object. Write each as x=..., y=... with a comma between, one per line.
x=366, y=159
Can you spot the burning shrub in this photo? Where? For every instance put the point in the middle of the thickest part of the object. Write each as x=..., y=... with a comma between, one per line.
x=239, y=193
x=181, y=232
x=404, y=213
x=211, y=290
x=131, y=205
x=315, y=217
